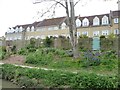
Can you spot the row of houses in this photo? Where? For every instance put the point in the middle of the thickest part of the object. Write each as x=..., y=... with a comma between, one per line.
x=95, y=25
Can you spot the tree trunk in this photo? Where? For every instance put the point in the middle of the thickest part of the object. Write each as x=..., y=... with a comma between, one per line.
x=74, y=31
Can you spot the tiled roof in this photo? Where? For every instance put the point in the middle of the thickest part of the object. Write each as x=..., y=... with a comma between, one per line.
x=50, y=22
x=90, y=18
x=59, y=20
x=116, y=13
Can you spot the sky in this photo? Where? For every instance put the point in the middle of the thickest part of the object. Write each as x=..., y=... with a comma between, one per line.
x=19, y=12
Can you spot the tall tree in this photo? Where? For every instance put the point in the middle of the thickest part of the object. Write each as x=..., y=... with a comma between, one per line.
x=69, y=7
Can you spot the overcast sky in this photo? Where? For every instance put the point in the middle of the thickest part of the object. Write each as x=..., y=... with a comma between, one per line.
x=17, y=12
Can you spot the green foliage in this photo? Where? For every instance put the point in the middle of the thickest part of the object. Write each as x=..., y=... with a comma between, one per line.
x=85, y=80
x=48, y=42
x=102, y=36
x=39, y=57
x=47, y=78
x=22, y=51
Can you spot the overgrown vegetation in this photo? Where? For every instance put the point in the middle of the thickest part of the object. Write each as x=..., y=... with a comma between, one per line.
x=50, y=78
x=101, y=62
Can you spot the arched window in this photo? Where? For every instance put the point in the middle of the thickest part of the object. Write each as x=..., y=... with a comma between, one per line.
x=28, y=29
x=105, y=20
x=21, y=29
x=96, y=21
x=63, y=26
x=85, y=22
x=16, y=30
x=78, y=23
x=32, y=28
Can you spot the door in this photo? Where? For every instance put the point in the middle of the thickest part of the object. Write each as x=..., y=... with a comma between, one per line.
x=96, y=43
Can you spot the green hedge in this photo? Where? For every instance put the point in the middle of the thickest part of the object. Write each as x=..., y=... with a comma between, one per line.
x=49, y=78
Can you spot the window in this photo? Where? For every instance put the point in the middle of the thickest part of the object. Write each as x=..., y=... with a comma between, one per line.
x=96, y=33
x=50, y=28
x=116, y=31
x=85, y=33
x=28, y=29
x=96, y=21
x=21, y=29
x=32, y=28
x=78, y=34
x=78, y=23
x=116, y=20
x=105, y=20
x=55, y=28
x=16, y=30
x=105, y=32
x=63, y=26
x=85, y=22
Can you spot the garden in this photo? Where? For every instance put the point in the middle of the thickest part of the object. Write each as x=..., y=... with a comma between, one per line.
x=93, y=69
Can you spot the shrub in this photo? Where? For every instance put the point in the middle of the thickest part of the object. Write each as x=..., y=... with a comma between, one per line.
x=85, y=80
x=39, y=58
x=22, y=51
x=30, y=77
x=91, y=59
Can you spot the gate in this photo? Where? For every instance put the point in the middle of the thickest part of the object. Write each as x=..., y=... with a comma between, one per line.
x=96, y=43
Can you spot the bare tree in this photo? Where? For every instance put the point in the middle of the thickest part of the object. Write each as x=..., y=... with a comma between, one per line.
x=69, y=7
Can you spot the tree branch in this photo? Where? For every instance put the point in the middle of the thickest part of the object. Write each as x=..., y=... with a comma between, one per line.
x=77, y=3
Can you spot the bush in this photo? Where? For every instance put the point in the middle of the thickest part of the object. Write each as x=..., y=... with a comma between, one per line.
x=22, y=51
x=91, y=59
x=39, y=58
x=85, y=80
x=48, y=78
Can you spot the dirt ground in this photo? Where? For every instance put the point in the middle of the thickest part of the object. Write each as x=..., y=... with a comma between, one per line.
x=15, y=59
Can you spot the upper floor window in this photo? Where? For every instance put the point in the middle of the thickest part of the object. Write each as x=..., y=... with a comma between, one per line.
x=116, y=20
x=96, y=21
x=28, y=29
x=63, y=26
x=16, y=30
x=21, y=29
x=85, y=22
x=78, y=23
x=105, y=32
x=105, y=20
x=32, y=28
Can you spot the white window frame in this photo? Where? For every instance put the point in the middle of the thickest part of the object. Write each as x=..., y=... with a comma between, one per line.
x=116, y=20
x=105, y=32
x=85, y=33
x=78, y=34
x=96, y=21
x=116, y=31
x=85, y=22
x=78, y=23
x=105, y=20
x=32, y=29
x=96, y=33
x=28, y=29
x=56, y=28
x=63, y=26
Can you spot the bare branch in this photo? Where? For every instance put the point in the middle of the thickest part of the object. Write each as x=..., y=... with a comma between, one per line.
x=40, y=1
x=77, y=3
x=47, y=10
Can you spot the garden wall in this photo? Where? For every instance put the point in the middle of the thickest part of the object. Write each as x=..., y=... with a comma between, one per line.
x=64, y=43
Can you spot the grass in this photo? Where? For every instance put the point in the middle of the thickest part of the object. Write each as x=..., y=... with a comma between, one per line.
x=107, y=66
